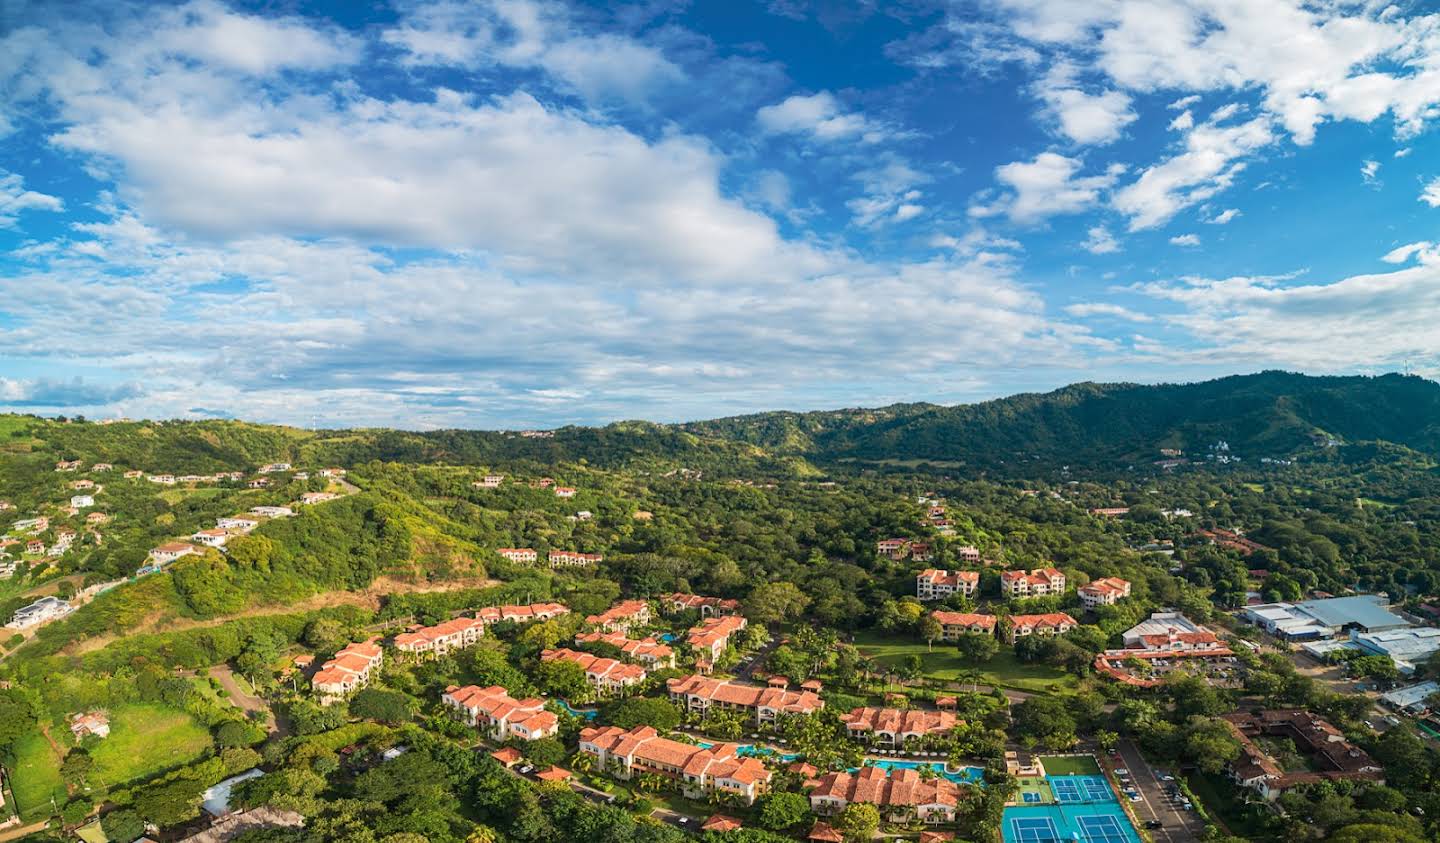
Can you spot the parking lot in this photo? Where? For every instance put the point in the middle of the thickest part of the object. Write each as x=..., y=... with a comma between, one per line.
x=1156, y=803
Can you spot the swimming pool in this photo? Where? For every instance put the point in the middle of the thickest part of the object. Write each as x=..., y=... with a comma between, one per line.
x=582, y=713
x=965, y=775
x=754, y=751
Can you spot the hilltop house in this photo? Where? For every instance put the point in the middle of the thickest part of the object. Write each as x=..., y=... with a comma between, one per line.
x=42, y=611
x=272, y=511
x=570, y=558
x=211, y=538
x=170, y=551
x=519, y=554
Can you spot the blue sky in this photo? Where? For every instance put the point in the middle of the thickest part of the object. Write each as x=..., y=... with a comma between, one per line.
x=520, y=213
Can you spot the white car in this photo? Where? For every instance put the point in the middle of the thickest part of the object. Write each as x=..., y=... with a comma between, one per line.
x=1122, y=772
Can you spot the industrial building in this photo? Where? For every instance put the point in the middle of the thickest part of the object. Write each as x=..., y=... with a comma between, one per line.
x=1313, y=619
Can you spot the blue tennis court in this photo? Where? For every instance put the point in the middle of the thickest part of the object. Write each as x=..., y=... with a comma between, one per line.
x=1033, y=830
x=1097, y=822
x=1071, y=789
x=1033, y=798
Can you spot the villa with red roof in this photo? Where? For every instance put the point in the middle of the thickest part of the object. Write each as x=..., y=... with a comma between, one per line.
x=521, y=614
x=956, y=624
x=708, y=606
x=1050, y=623
x=1036, y=583
x=892, y=548
x=894, y=726
x=902, y=795
x=646, y=651
x=350, y=669
x=441, y=638
x=699, y=771
x=498, y=715
x=606, y=676
x=171, y=551
x=710, y=638
x=700, y=693
x=934, y=584
x=622, y=616
x=1103, y=592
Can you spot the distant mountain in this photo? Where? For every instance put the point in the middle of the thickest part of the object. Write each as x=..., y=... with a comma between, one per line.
x=1086, y=424
x=1266, y=414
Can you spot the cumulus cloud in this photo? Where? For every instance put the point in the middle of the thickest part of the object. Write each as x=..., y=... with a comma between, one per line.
x=1430, y=195
x=1224, y=216
x=819, y=116
x=1044, y=187
x=1185, y=240
x=1099, y=241
x=1370, y=172
x=51, y=393
x=15, y=199
x=1114, y=311
x=1083, y=116
x=1212, y=157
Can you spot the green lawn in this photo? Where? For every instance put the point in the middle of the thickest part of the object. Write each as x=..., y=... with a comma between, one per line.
x=145, y=740
x=36, y=778
x=1070, y=765
x=946, y=663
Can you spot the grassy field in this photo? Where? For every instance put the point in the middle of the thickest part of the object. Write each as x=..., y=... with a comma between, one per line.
x=36, y=777
x=1070, y=765
x=946, y=663
x=145, y=740
x=174, y=496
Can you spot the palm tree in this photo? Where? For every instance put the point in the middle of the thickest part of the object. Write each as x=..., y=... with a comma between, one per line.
x=582, y=762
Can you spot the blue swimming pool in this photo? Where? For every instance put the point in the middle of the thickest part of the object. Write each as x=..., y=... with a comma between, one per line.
x=965, y=775
x=755, y=751
x=582, y=713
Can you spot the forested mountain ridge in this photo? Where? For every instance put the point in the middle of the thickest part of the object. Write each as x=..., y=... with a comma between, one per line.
x=1271, y=414
x=1086, y=424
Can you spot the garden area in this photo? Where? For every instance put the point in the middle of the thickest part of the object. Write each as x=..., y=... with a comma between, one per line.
x=145, y=740
x=946, y=663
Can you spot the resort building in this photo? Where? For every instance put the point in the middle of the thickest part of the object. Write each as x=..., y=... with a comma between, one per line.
x=171, y=551
x=699, y=771
x=763, y=704
x=895, y=549
x=1036, y=583
x=569, y=558
x=646, y=651
x=607, y=676
x=351, y=669
x=713, y=635
x=956, y=624
x=211, y=538
x=1103, y=592
x=441, y=638
x=622, y=616
x=1050, y=623
x=893, y=726
x=519, y=554
x=708, y=606
x=521, y=614
x=42, y=611
x=243, y=523
x=1331, y=757
x=498, y=715
x=934, y=584
x=901, y=795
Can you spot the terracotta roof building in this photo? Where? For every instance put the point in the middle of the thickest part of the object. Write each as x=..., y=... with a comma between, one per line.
x=893, y=726
x=698, y=771
x=622, y=616
x=901, y=795
x=712, y=635
x=1036, y=583
x=708, y=606
x=500, y=716
x=1331, y=756
x=605, y=675
x=646, y=651
x=1050, y=623
x=701, y=693
x=934, y=584
x=1103, y=592
x=956, y=624
x=350, y=669
x=441, y=638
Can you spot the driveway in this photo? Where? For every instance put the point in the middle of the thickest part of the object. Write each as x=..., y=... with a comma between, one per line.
x=1179, y=825
x=247, y=702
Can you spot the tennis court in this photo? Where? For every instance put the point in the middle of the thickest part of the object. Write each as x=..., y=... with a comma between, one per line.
x=1102, y=822
x=1031, y=798
x=1070, y=789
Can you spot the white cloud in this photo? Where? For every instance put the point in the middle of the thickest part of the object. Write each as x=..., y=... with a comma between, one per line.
x=1430, y=195
x=1089, y=309
x=1185, y=240
x=819, y=116
x=1381, y=320
x=1223, y=217
x=1370, y=172
x=1401, y=153
x=1183, y=122
x=1211, y=159
x=15, y=199
x=529, y=34
x=1099, y=241
x=1045, y=187
x=1084, y=117
x=206, y=31
x=1424, y=250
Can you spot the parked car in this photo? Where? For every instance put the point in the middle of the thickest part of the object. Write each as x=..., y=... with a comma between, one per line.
x=1154, y=824
x=1122, y=772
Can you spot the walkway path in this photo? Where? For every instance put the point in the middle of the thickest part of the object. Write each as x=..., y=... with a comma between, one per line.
x=249, y=702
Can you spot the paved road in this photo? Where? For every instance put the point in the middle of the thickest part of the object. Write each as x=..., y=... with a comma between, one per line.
x=247, y=702
x=1180, y=825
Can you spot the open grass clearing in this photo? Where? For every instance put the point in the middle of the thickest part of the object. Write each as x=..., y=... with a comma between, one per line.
x=35, y=778
x=945, y=662
x=145, y=740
